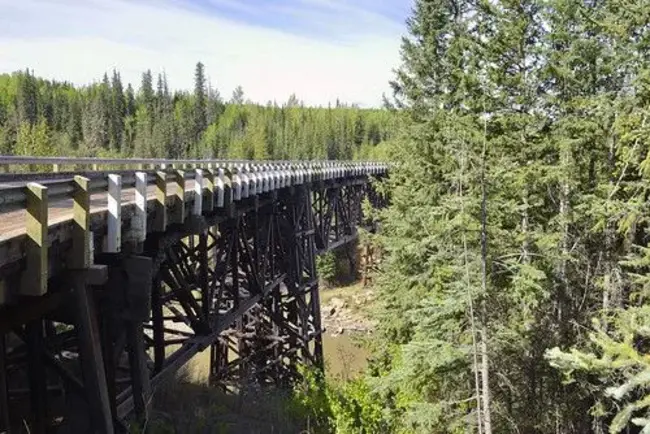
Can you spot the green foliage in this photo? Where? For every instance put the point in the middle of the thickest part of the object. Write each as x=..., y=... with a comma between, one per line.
x=356, y=410
x=518, y=214
x=326, y=266
x=105, y=119
x=341, y=408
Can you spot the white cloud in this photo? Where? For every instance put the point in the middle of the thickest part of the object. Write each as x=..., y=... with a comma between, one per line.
x=79, y=41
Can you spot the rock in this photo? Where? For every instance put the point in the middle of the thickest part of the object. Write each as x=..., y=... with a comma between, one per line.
x=340, y=331
x=338, y=303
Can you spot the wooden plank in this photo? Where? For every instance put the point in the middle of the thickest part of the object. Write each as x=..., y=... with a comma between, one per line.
x=81, y=224
x=160, y=221
x=139, y=222
x=197, y=207
x=34, y=279
x=114, y=216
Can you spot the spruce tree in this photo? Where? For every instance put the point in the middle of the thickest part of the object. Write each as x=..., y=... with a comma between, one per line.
x=200, y=102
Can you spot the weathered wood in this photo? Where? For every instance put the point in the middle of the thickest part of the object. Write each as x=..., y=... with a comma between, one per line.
x=4, y=293
x=5, y=424
x=34, y=279
x=160, y=222
x=197, y=207
x=179, y=197
x=114, y=216
x=81, y=224
x=37, y=376
x=139, y=222
x=220, y=186
x=208, y=191
x=92, y=362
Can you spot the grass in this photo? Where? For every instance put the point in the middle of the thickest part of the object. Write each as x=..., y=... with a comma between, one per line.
x=184, y=406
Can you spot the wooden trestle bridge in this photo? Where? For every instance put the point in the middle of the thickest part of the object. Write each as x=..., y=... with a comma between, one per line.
x=114, y=273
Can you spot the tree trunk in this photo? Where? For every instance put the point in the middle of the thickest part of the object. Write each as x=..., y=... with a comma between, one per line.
x=485, y=363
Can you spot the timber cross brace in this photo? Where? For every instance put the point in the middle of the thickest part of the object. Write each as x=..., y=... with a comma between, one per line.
x=112, y=280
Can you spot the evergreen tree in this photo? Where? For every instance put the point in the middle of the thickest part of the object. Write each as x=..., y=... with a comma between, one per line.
x=237, y=96
x=200, y=102
x=118, y=113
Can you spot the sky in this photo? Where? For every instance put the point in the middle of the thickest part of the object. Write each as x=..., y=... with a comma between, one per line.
x=320, y=50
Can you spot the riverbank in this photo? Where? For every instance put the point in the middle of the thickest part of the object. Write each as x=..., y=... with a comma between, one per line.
x=346, y=323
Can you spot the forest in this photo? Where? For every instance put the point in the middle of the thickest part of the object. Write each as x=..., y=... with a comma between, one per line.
x=512, y=293
x=514, y=287
x=40, y=117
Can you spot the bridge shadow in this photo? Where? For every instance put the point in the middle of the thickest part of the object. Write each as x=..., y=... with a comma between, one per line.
x=185, y=406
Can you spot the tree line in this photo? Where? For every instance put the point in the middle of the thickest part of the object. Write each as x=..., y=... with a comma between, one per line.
x=514, y=289
x=42, y=117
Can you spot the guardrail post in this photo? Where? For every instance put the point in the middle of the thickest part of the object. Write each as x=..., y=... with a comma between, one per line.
x=197, y=208
x=139, y=222
x=179, y=198
x=160, y=221
x=34, y=278
x=114, y=233
x=81, y=230
x=208, y=203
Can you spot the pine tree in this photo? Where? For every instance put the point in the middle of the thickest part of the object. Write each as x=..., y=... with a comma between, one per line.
x=237, y=96
x=200, y=102
x=27, y=98
x=118, y=112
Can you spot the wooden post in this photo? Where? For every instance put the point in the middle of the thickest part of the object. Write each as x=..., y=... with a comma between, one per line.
x=140, y=219
x=92, y=363
x=4, y=391
x=197, y=208
x=160, y=222
x=179, y=197
x=34, y=279
x=81, y=229
x=37, y=375
x=208, y=203
x=114, y=233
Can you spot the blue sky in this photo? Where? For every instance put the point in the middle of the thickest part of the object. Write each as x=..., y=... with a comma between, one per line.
x=320, y=49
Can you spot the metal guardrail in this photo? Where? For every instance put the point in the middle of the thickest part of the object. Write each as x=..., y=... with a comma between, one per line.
x=229, y=171
x=6, y=161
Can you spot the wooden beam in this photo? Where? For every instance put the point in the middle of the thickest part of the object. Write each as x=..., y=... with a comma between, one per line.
x=34, y=279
